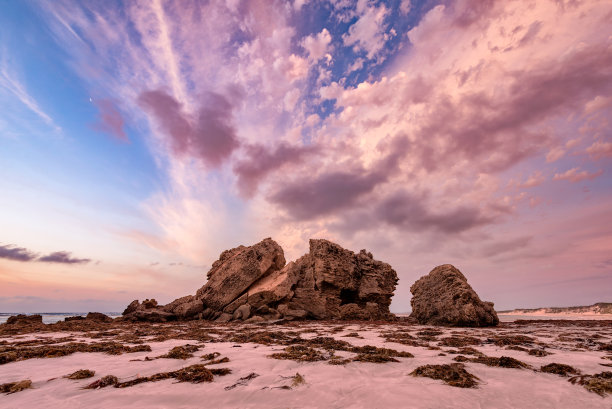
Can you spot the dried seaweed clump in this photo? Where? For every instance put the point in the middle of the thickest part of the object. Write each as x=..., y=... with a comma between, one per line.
x=81, y=374
x=242, y=381
x=504, y=340
x=600, y=383
x=298, y=380
x=559, y=369
x=103, y=382
x=457, y=342
x=452, y=374
x=538, y=352
x=181, y=352
x=369, y=353
x=300, y=353
x=13, y=387
x=10, y=354
x=502, y=362
x=197, y=373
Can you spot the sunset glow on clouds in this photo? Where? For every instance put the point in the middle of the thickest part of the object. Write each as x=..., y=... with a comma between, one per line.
x=140, y=139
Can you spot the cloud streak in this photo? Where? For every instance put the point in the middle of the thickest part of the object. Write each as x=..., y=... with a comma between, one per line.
x=12, y=252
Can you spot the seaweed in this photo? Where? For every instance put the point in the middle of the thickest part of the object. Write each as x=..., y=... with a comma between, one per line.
x=181, y=352
x=502, y=340
x=81, y=374
x=538, y=352
x=502, y=362
x=211, y=356
x=10, y=354
x=374, y=358
x=600, y=383
x=451, y=374
x=336, y=360
x=14, y=387
x=300, y=353
x=108, y=380
x=457, y=342
x=559, y=369
x=298, y=380
x=242, y=381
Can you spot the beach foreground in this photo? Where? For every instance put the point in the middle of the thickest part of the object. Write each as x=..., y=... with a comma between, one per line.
x=308, y=364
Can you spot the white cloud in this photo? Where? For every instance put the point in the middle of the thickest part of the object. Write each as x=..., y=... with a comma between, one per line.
x=317, y=45
x=368, y=33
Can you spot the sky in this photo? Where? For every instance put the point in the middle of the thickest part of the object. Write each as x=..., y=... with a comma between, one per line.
x=140, y=139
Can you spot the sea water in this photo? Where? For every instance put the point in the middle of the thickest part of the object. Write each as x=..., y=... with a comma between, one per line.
x=52, y=317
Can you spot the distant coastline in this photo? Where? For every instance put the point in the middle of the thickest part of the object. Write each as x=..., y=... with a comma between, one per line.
x=600, y=309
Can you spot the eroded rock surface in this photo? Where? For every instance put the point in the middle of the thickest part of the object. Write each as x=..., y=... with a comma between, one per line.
x=444, y=297
x=254, y=284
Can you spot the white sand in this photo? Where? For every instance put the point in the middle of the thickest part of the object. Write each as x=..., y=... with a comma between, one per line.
x=355, y=385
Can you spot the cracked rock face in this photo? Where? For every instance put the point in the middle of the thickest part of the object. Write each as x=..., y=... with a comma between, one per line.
x=253, y=283
x=444, y=297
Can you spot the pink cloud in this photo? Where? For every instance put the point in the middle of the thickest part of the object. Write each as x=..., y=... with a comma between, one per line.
x=261, y=161
x=536, y=179
x=209, y=136
x=575, y=175
x=110, y=119
x=63, y=257
x=600, y=149
x=317, y=44
x=12, y=252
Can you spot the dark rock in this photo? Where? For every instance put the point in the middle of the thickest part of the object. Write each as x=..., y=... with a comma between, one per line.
x=224, y=317
x=242, y=313
x=253, y=284
x=330, y=278
x=98, y=316
x=22, y=319
x=134, y=305
x=237, y=269
x=444, y=297
x=75, y=318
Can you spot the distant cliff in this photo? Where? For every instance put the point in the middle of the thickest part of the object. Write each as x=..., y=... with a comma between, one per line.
x=595, y=309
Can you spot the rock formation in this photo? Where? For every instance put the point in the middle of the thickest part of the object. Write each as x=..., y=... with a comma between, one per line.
x=444, y=297
x=23, y=319
x=254, y=284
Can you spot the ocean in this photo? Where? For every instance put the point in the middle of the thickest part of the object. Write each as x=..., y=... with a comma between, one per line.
x=52, y=317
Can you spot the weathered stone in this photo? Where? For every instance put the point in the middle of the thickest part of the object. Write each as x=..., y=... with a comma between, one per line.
x=98, y=316
x=22, y=319
x=150, y=315
x=148, y=304
x=330, y=277
x=444, y=297
x=293, y=314
x=329, y=282
x=189, y=309
x=237, y=269
x=230, y=308
x=242, y=313
x=255, y=319
x=134, y=305
x=225, y=317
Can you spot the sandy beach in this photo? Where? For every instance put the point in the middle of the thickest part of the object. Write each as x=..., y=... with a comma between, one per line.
x=266, y=372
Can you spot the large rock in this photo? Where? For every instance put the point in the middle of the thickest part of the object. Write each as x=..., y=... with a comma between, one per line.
x=23, y=319
x=444, y=297
x=237, y=269
x=254, y=283
x=98, y=316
